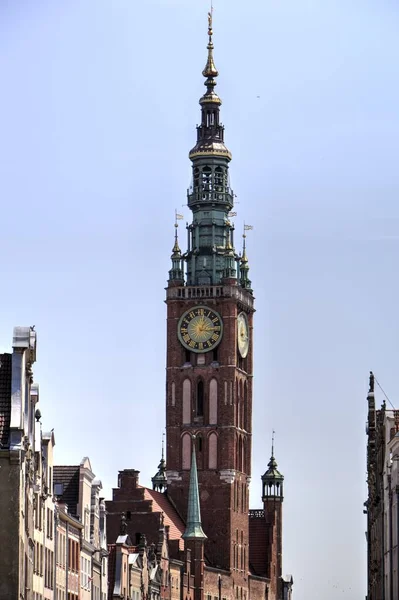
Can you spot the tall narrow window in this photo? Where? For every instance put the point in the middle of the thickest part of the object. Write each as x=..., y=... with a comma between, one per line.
x=173, y=393
x=213, y=402
x=200, y=399
x=219, y=179
x=186, y=401
x=245, y=424
x=213, y=451
x=200, y=454
x=186, y=451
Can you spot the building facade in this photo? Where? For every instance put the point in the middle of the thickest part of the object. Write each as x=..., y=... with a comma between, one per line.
x=18, y=397
x=52, y=553
x=233, y=553
x=81, y=511
x=382, y=504
x=44, y=511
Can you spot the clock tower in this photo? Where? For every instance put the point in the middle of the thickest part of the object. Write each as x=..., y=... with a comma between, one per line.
x=210, y=309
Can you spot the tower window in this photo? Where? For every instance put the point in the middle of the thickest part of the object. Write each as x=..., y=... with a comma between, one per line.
x=210, y=119
x=219, y=178
x=200, y=399
x=196, y=177
x=199, y=445
x=207, y=179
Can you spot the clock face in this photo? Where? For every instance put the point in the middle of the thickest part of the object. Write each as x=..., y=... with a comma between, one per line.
x=200, y=329
x=243, y=334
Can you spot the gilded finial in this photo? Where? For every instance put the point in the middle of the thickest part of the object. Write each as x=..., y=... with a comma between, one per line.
x=176, y=248
x=244, y=258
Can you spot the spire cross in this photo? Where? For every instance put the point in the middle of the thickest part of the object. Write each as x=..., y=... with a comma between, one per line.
x=273, y=442
x=163, y=445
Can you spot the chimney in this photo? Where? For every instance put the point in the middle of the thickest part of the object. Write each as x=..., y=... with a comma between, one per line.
x=128, y=479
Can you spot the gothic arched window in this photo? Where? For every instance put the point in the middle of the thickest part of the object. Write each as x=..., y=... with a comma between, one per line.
x=186, y=401
x=200, y=399
x=213, y=402
x=213, y=451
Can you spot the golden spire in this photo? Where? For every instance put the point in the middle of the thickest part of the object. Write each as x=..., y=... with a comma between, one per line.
x=244, y=258
x=176, y=248
x=210, y=70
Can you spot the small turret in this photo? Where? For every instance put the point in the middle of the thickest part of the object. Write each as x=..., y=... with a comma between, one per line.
x=272, y=480
x=176, y=274
x=245, y=282
x=159, y=481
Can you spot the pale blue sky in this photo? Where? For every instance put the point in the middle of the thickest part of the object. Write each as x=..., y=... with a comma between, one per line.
x=99, y=105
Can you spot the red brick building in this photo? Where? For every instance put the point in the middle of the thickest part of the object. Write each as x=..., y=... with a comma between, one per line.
x=232, y=552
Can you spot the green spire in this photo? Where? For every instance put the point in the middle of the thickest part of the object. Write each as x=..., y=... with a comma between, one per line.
x=245, y=282
x=193, y=525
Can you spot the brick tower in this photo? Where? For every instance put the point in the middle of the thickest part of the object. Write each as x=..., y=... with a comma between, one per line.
x=210, y=309
x=272, y=497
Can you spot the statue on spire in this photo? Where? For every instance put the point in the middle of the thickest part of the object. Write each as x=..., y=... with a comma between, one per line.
x=371, y=382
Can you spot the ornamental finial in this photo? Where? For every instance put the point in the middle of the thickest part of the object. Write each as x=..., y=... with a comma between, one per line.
x=210, y=70
x=176, y=248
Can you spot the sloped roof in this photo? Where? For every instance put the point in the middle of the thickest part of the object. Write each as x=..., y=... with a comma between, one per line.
x=161, y=503
x=69, y=477
x=5, y=399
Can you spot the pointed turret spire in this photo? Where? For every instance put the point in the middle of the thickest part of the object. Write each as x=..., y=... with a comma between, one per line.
x=272, y=480
x=210, y=134
x=176, y=274
x=230, y=257
x=244, y=266
x=210, y=71
x=159, y=481
x=193, y=526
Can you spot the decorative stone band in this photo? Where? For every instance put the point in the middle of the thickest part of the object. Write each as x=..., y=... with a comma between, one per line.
x=212, y=149
x=172, y=476
x=211, y=291
x=228, y=476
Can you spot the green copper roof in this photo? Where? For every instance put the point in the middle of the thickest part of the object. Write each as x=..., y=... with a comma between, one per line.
x=193, y=525
x=272, y=473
